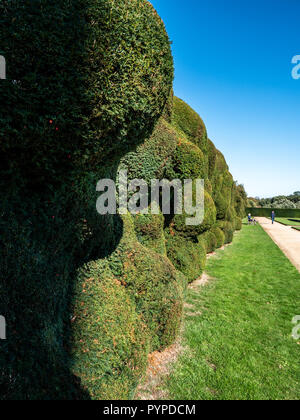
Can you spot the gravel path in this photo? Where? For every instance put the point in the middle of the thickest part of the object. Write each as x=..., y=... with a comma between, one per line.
x=287, y=238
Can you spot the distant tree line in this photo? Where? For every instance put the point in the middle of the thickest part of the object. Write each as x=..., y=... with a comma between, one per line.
x=280, y=202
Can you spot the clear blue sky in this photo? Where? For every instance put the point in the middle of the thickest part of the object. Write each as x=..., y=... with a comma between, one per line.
x=233, y=66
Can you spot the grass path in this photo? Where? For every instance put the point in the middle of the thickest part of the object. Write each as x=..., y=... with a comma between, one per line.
x=288, y=222
x=285, y=237
x=239, y=338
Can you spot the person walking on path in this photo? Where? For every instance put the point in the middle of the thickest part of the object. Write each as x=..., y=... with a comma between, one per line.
x=273, y=217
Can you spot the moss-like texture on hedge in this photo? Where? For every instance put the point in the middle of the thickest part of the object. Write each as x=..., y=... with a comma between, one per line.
x=219, y=236
x=149, y=230
x=188, y=162
x=238, y=223
x=110, y=340
x=209, y=240
x=92, y=77
x=187, y=121
x=179, y=220
x=187, y=256
x=196, y=157
x=41, y=245
x=151, y=159
x=153, y=284
x=228, y=229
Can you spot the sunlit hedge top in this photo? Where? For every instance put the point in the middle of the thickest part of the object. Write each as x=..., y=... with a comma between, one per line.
x=186, y=120
x=90, y=76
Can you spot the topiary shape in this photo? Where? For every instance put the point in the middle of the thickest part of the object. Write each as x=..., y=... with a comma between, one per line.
x=187, y=256
x=84, y=79
x=109, y=340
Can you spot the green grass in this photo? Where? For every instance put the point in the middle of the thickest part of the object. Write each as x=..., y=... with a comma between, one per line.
x=297, y=228
x=239, y=343
x=288, y=222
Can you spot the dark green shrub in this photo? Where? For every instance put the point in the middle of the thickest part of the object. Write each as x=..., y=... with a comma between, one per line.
x=152, y=282
x=212, y=157
x=266, y=212
x=188, y=162
x=228, y=228
x=168, y=111
x=230, y=214
x=238, y=223
x=187, y=256
x=110, y=342
x=187, y=121
x=210, y=241
x=89, y=92
x=240, y=200
x=222, y=205
x=221, y=166
x=149, y=230
x=87, y=81
x=91, y=77
x=223, y=194
x=179, y=220
x=40, y=247
x=150, y=159
x=208, y=187
x=219, y=236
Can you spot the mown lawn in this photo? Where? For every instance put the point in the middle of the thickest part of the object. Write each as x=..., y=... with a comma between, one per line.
x=239, y=340
x=288, y=222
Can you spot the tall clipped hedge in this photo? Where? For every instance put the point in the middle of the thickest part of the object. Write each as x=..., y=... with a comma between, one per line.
x=149, y=229
x=87, y=81
x=86, y=297
x=264, y=212
x=84, y=78
x=152, y=282
x=197, y=157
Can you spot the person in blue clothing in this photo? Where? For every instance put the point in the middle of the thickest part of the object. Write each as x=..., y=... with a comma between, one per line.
x=273, y=217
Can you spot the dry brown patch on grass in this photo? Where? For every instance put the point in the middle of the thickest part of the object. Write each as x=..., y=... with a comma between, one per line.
x=211, y=254
x=200, y=282
x=193, y=314
x=191, y=307
x=159, y=367
x=188, y=306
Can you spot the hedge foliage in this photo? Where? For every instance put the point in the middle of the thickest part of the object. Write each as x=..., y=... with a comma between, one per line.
x=87, y=297
x=219, y=235
x=85, y=78
x=209, y=240
x=149, y=229
x=110, y=341
x=179, y=220
x=151, y=159
x=187, y=121
x=151, y=280
x=187, y=256
x=266, y=212
x=188, y=162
